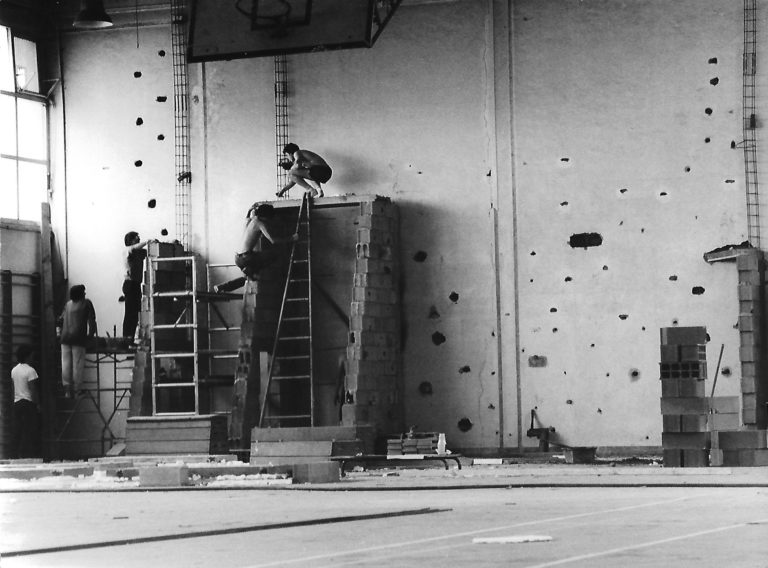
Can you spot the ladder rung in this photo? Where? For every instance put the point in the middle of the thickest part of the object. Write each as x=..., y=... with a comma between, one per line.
x=293, y=280
x=287, y=416
x=297, y=299
x=289, y=377
x=289, y=357
x=164, y=354
x=172, y=326
x=294, y=338
x=169, y=385
x=296, y=318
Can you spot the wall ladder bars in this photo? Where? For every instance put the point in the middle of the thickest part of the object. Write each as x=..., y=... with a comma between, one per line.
x=181, y=120
x=750, y=123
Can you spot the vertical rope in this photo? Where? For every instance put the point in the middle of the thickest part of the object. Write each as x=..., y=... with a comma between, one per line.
x=181, y=121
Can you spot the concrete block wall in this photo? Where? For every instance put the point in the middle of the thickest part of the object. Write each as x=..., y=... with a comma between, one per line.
x=751, y=265
x=373, y=387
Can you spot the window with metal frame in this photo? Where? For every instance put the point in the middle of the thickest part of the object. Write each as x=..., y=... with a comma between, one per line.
x=24, y=158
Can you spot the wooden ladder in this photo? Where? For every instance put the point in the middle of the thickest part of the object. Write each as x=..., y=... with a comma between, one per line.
x=288, y=399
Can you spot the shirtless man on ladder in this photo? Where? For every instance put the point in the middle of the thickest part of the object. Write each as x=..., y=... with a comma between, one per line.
x=260, y=246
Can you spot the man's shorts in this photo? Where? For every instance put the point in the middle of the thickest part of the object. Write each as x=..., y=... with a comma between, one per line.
x=252, y=262
x=321, y=174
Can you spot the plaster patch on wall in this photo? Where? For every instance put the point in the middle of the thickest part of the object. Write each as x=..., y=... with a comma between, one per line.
x=438, y=338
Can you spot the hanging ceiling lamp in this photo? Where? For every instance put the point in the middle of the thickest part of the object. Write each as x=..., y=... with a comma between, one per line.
x=92, y=16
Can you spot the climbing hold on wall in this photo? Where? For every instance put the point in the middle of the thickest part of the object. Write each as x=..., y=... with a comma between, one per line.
x=585, y=240
x=464, y=369
x=161, y=136
x=453, y=297
x=151, y=203
x=465, y=424
x=697, y=290
x=138, y=163
x=438, y=338
x=139, y=121
x=425, y=387
x=137, y=74
x=420, y=256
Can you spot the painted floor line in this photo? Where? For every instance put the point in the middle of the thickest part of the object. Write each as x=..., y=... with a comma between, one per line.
x=644, y=545
x=219, y=532
x=394, y=545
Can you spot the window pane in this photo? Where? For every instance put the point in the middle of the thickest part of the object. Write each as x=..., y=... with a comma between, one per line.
x=6, y=60
x=25, y=53
x=32, y=131
x=8, y=184
x=8, y=122
x=33, y=183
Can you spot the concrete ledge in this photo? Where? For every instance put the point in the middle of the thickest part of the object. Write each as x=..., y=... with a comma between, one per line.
x=175, y=475
x=32, y=472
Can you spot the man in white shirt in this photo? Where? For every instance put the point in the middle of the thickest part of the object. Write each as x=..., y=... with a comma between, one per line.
x=25, y=405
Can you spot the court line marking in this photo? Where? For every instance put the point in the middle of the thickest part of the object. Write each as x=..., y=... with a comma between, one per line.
x=644, y=545
x=466, y=533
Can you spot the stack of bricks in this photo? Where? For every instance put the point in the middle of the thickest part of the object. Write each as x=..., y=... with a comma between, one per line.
x=373, y=390
x=751, y=268
x=413, y=443
x=684, y=406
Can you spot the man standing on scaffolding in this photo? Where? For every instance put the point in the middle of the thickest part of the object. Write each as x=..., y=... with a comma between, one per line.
x=260, y=246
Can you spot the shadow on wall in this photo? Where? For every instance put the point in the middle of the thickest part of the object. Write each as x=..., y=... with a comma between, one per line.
x=353, y=174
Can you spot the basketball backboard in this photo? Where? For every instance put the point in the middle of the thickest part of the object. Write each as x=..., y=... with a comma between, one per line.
x=231, y=29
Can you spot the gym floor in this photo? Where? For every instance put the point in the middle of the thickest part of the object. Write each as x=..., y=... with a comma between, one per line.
x=402, y=518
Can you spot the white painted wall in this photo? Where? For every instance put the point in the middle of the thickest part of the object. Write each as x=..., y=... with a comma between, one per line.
x=618, y=88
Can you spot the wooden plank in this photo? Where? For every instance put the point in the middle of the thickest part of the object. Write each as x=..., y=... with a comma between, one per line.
x=269, y=449
x=167, y=447
x=685, y=440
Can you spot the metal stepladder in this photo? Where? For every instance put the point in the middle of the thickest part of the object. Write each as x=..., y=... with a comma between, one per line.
x=288, y=397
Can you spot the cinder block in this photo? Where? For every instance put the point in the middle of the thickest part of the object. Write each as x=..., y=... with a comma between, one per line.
x=375, y=236
x=673, y=458
x=748, y=369
x=725, y=404
x=725, y=421
x=749, y=260
x=374, y=266
x=364, y=353
x=751, y=339
x=378, y=207
x=378, y=252
x=748, y=322
x=750, y=292
x=745, y=458
x=671, y=423
x=365, y=308
x=378, y=222
x=372, y=338
x=695, y=458
x=693, y=422
x=750, y=353
x=355, y=366
x=744, y=440
x=683, y=370
x=374, y=280
x=370, y=323
x=749, y=402
x=670, y=353
x=684, y=406
x=683, y=335
x=682, y=387
x=693, y=353
x=162, y=475
x=749, y=417
x=379, y=295
x=685, y=440
x=748, y=385
x=751, y=277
